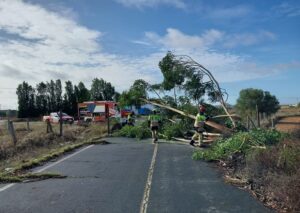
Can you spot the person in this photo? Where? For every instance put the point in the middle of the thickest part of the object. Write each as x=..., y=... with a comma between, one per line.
x=154, y=122
x=199, y=126
x=130, y=119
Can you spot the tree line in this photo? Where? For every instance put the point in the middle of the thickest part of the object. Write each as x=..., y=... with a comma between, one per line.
x=47, y=97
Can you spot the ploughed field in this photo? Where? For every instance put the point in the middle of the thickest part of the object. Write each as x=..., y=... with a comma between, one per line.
x=288, y=124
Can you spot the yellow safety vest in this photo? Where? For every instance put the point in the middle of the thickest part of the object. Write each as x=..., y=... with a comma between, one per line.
x=154, y=120
x=200, y=120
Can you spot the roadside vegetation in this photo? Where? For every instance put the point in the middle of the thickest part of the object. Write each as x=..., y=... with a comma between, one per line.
x=263, y=161
x=36, y=147
x=140, y=131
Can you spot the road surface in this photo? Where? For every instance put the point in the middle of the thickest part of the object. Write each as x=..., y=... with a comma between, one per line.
x=129, y=176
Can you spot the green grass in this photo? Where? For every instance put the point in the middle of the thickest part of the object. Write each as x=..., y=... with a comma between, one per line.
x=239, y=142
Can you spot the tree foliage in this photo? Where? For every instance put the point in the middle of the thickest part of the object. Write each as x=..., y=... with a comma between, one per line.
x=102, y=90
x=251, y=98
x=26, y=100
x=133, y=96
x=184, y=78
x=48, y=97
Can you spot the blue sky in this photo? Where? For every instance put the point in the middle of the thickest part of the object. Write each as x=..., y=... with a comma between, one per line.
x=244, y=43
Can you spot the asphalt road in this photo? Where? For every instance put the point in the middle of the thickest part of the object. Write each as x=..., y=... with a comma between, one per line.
x=112, y=178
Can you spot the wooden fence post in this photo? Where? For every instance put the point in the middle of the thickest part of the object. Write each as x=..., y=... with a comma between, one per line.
x=49, y=126
x=60, y=123
x=272, y=122
x=12, y=132
x=257, y=116
x=248, y=122
x=28, y=127
x=107, y=117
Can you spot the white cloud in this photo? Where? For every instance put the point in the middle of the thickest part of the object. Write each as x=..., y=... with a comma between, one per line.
x=229, y=12
x=39, y=45
x=226, y=67
x=248, y=39
x=152, y=3
x=286, y=9
x=175, y=39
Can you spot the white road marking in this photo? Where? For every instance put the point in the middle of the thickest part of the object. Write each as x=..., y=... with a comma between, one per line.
x=6, y=187
x=145, y=200
x=61, y=160
x=49, y=166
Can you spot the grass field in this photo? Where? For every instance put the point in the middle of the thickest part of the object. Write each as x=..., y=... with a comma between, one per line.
x=37, y=142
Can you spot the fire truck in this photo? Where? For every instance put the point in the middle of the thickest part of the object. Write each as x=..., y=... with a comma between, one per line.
x=97, y=111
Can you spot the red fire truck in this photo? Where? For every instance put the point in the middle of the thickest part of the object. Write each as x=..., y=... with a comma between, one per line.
x=97, y=110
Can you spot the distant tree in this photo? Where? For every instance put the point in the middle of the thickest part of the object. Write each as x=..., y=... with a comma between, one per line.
x=270, y=104
x=69, y=100
x=125, y=99
x=51, y=97
x=251, y=98
x=41, y=99
x=26, y=100
x=137, y=91
x=102, y=90
x=108, y=91
x=58, y=95
x=117, y=96
x=96, y=89
x=83, y=93
x=133, y=96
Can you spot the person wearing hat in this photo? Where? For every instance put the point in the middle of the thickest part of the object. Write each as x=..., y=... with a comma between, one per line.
x=199, y=126
x=154, y=122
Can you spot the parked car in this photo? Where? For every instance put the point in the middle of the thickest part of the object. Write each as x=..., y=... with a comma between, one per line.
x=54, y=118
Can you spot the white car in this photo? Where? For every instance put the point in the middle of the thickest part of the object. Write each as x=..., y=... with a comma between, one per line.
x=54, y=118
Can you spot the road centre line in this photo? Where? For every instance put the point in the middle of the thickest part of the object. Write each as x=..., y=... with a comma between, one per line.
x=49, y=166
x=145, y=200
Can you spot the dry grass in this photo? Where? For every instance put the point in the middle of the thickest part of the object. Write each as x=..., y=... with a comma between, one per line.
x=37, y=143
x=274, y=175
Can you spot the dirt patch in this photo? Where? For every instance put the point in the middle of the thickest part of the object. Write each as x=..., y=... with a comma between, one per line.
x=288, y=124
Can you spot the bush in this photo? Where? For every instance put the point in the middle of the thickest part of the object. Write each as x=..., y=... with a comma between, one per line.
x=140, y=131
x=173, y=130
x=240, y=142
x=275, y=173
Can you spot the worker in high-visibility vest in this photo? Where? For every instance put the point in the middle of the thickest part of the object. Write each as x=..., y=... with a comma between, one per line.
x=130, y=119
x=154, y=121
x=199, y=126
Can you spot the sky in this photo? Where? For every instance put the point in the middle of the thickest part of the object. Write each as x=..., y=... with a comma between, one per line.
x=245, y=44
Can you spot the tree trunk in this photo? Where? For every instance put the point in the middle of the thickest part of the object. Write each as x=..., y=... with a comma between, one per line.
x=175, y=98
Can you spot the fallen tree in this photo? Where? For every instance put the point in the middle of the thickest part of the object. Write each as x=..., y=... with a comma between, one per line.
x=181, y=71
x=215, y=125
